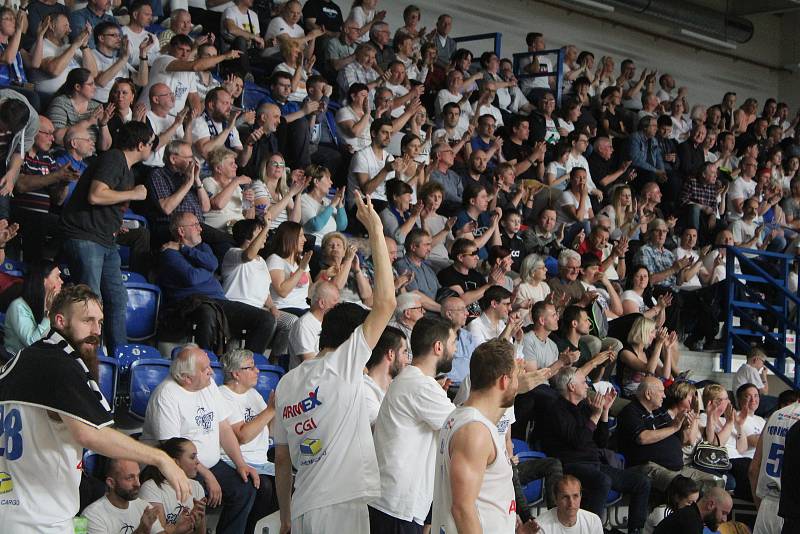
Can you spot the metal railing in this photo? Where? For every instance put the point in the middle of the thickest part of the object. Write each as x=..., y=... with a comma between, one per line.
x=496, y=37
x=748, y=302
x=558, y=72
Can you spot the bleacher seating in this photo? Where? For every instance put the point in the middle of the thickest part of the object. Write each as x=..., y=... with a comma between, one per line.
x=142, y=312
x=534, y=490
x=268, y=378
x=127, y=354
x=145, y=376
x=109, y=374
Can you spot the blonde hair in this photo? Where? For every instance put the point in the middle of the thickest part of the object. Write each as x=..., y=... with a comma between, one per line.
x=641, y=330
x=330, y=236
x=283, y=184
x=218, y=155
x=622, y=215
x=529, y=265
x=713, y=392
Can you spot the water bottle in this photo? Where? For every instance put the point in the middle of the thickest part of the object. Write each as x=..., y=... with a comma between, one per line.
x=81, y=525
x=246, y=204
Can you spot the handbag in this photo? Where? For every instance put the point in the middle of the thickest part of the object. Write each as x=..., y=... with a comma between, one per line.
x=711, y=458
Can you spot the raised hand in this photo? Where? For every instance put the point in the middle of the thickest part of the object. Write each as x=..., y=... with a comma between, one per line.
x=366, y=213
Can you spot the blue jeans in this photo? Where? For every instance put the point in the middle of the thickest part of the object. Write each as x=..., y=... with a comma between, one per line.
x=98, y=267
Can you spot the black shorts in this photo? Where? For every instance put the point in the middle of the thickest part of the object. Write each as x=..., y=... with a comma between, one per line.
x=382, y=523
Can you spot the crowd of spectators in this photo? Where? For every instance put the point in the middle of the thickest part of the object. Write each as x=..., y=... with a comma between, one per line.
x=435, y=202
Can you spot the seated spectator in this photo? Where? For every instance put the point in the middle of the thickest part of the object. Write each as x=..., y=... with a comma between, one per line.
x=321, y=215
x=286, y=26
x=193, y=296
x=226, y=197
x=533, y=286
x=498, y=265
x=526, y=157
x=189, y=404
x=512, y=196
x=510, y=225
x=540, y=238
x=442, y=160
x=575, y=209
x=340, y=265
x=275, y=195
x=716, y=423
x=463, y=277
x=121, y=506
x=566, y=287
x=452, y=131
x=568, y=513
x=408, y=312
x=537, y=346
x=700, y=200
x=288, y=268
x=645, y=154
x=475, y=214
x=141, y=16
x=576, y=431
x=440, y=227
x=455, y=311
x=399, y=216
x=73, y=104
x=155, y=491
x=262, y=135
x=660, y=262
x=60, y=57
x=38, y=11
x=596, y=357
x=241, y=31
x=95, y=12
x=204, y=80
x=493, y=322
x=651, y=438
x=296, y=65
x=747, y=233
x=371, y=167
x=249, y=419
x=710, y=511
x=16, y=59
x=681, y=492
x=648, y=351
x=354, y=119
x=27, y=320
x=389, y=357
x=519, y=103
x=40, y=185
x=325, y=145
x=122, y=95
x=246, y=279
x=638, y=298
x=610, y=116
x=424, y=281
x=304, y=335
x=620, y=212
x=111, y=55
x=360, y=70
x=379, y=38
x=484, y=139
x=180, y=23
x=483, y=105
x=164, y=125
x=747, y=428
x=753, y=371
x=406, y=49
x=216, y=128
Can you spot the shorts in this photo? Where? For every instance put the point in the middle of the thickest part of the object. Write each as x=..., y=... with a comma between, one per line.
x=350, y=517
x=767, y=521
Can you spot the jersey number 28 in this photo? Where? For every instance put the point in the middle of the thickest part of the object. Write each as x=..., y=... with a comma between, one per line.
x=10, y=433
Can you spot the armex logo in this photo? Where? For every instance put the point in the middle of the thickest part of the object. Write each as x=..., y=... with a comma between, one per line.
x=304, y=406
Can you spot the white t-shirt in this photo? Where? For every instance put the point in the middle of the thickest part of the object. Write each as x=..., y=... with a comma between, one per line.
x=406, y=432
x=165, y=495
x=747, y=374
x=245, y=407
x=201, y=130
x=740, y=189
x=175, y=412
x=310, y=208
x=105, y=518
x=245, y=282
x=135, y=40
x=373, y=397
x=542, y=82
x=444, y=97
x=304, y=338
x=247, y=21
x=160, y=125
x=587, y=523
x=367, y=162
x=232, y=211
x=51, y=85
x=104, y=63
x=568, y=199
x=278, y=26
x=483, y=330
x=324, y=399
x=743, y=231
x=181, y=83
x=361, y=142
x=298, y=295
x=299, y=94
x=693, y=282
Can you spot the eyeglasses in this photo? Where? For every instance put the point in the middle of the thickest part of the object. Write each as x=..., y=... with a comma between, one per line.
x=277, y=164
x=473, y=253
x=113, y=35
x=48, y=134
x=165, y=94
x=246, y=368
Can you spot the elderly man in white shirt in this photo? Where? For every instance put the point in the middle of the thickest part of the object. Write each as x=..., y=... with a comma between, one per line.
x=304, y=335
x=189, y=404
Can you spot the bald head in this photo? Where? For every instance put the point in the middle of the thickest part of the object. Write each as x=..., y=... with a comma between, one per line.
x=78, y=142
x=269, y=117
x=454, y=310
x=650, y=393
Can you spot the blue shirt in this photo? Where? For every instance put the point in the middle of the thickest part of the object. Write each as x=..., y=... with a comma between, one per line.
x=189, y=271
x=14, y=72
x=80, y=166
x=79, y=18
x=639, y=153
x=424, y=281
x=465, y=344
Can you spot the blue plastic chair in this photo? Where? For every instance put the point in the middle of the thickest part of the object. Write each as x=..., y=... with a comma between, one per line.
x=520, y=445
x=533, y=490
x=13, y=267
x=146, y=375
x=260, y=359
x=107, y=379
x=127, y=354
x=219, y=374
x=614, y=497
x=268, y=378
x=141, y=315
x=133, y=277
x=134, y=220
x=93, y=464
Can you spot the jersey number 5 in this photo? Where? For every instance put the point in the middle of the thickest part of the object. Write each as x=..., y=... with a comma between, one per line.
x=774, y=462
x=10, y=433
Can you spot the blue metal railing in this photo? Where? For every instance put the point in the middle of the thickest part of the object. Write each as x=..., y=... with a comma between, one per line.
x=746, y=302
x=497, y=37
x=558, y=72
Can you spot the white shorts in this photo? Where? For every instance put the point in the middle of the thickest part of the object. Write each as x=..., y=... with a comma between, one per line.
x=767, y=521
x=350, y=517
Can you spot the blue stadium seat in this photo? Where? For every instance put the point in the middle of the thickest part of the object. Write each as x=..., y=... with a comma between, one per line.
x=133, y=220
x=127, y=354
x=268, y=377
x=520, y=445
x=219, y=375
x=13, y=267
x=533, y=490
x=93, y=464
x=146, y=375
x=141, y=316
x=614, y=498
x=133, y=277
x=253, y=94
x=107, y=379
x=260, y=359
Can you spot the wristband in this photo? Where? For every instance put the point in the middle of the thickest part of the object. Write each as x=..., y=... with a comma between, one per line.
x=143, y=58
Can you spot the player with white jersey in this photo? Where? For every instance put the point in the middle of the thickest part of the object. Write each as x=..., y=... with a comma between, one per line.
x=473, y=489
x=766, y=467
x=407, y=429
x=45, y=428
x=322, y=427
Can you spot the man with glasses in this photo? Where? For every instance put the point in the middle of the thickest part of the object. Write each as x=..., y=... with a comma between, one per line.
x=463, y=278
x=112, y=55
x=455, y=311
x=41, y=181
x=442, y=160
x=661, y=263
x=167, y=127
x=409, y=310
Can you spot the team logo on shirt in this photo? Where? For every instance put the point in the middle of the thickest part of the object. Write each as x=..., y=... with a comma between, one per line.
x=304, y=406
x=172, y=517
x=6, y=483
x=248, y=415
x=310, y=446
x=204, y=419
x=301, y=427
x=127, y=529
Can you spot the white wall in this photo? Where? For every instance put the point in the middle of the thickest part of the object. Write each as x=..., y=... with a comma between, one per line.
x=706, y=74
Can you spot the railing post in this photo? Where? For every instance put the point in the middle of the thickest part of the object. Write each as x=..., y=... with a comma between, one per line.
x=727, y=355
x=559, y=76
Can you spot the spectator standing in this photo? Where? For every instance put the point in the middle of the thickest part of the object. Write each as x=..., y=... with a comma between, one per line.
x=92, y=219
x=389, y=357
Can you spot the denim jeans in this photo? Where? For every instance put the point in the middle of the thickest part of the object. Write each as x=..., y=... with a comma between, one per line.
x=98, y=267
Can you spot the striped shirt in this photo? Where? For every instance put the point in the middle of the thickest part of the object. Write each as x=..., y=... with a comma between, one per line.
x=39, y=200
